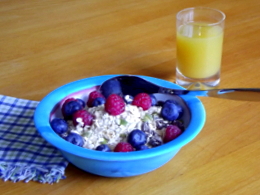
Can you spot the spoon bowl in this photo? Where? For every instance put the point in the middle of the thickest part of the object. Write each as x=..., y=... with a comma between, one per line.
x=132, y=85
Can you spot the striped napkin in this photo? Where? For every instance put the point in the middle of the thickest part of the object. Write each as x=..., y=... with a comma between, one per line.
x=24, y=154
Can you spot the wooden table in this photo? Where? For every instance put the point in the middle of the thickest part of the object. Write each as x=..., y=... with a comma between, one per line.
x=45, y=44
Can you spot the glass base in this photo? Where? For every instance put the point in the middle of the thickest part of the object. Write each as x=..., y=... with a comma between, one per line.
x=190, y=83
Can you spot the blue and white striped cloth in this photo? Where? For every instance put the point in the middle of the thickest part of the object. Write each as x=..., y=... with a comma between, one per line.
x=24, y=154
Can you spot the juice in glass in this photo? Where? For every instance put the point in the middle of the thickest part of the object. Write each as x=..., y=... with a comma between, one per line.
x=199, y=50
x=199, y=47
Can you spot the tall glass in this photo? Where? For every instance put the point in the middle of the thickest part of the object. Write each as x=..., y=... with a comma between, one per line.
x=200, y=33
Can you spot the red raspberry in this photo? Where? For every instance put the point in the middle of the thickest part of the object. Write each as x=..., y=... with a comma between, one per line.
x=114, y=105
x=142, y=100
x=87, y=118
x=93, y=95
x=123, y=147
x=171, y=132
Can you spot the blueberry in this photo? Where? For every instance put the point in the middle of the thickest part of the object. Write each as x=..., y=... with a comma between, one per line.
x=98, y=101
x=83, y=104
x=142, y=147
x=59, y=125
x=103, y=148
x=177, y=104
x=137, y=138
x=128, y=99
x=69, y=108
x=75, y=139
x=155, y=141
x=111, y=87
x=171, y=110
x=153, y=98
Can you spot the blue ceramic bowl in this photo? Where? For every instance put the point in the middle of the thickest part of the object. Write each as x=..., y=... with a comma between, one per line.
x=115, y=164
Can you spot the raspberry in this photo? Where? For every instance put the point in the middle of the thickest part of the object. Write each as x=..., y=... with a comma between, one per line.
x=86, y=117
x=92, y=96
x=142, y=100
x=123, y=147
x=171, y=132
x=114, y=105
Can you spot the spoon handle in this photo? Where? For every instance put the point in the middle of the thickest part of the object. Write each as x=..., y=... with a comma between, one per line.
x=245, y=94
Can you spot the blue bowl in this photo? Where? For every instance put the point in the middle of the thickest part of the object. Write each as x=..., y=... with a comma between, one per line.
x=115, y=164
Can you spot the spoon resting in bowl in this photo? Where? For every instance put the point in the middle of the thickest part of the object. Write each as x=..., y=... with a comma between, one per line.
x=132, y=85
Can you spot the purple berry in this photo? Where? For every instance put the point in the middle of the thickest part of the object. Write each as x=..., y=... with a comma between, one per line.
x=171, y=110
x=59, y=125
x=70, y=107
x=98, y=101
x=155, y=141
x=83, y=104
x=92, y=96
x=75, y=139
x=137, y=138
x=111, y=87
x=103, y=148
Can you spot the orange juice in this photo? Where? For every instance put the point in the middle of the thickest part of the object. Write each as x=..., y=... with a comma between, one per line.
x=199, y=50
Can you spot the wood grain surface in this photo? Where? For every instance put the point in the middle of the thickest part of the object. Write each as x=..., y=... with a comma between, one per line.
x=45, y=44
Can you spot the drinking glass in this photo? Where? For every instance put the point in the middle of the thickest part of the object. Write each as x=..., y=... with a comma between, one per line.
x=200, y=32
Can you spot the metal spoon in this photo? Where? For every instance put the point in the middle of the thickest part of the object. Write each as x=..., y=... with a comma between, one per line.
x=132, y=85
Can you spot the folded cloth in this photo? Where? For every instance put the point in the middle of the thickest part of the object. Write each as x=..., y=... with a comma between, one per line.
x=24, y=154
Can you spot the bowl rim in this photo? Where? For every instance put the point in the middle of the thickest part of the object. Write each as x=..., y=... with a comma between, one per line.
x=46, y=105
